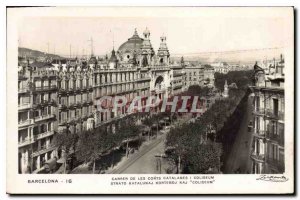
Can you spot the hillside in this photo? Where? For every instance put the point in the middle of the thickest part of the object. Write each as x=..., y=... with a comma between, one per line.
x=35, y=53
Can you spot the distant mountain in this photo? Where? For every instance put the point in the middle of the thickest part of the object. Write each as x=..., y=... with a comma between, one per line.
x=30, y=53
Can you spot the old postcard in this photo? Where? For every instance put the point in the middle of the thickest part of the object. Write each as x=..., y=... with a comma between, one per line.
x=150, y=100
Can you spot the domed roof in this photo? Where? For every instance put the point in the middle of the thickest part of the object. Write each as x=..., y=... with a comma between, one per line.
x=133, y=43
x=93, y=60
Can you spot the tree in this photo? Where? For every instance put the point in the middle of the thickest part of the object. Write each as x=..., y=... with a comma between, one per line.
x=204, y=158
x=90, y=145
x=128, y=130
x=66, y=141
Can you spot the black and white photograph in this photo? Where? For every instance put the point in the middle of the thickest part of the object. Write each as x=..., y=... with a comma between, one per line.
x=183, y=95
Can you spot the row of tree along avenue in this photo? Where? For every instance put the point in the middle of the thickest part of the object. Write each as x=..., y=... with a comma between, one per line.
x=197, y=147
x=96, y=145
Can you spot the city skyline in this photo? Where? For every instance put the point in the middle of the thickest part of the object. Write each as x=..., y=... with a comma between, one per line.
x=195, y=36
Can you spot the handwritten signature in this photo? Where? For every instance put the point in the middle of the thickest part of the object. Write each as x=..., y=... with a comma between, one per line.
x=272, y=178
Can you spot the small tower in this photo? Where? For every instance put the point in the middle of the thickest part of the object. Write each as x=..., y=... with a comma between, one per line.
x=113, y=60
x=182, y=62
x=163, y=52
x=147, y=50
x=225, y=93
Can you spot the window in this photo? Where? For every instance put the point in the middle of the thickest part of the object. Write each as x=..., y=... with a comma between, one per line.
x=274, y=152
x=275, y=107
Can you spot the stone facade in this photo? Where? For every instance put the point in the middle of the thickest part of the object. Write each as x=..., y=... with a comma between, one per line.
x=268, y=131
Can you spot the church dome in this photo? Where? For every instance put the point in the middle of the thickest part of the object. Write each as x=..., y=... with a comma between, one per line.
x=133, y=44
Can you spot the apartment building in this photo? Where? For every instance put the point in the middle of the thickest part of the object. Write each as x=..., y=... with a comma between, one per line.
x=268, y=134
x=194, y=75
x=37, y=113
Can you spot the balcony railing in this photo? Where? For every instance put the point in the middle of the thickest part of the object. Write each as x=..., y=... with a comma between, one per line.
x=43, y=117
x=43, y=135
x=24, y=106
x=143, y=79
x=62, y=106
x=279, y=115
x=25, y=142
x=49, y=101
x=63, y=122
x=276, y=137
x=25, y=122
x=44, y=88
x=270, y=113
x=258, y=157
x=259, y=111
x=259, y=133
x=43, y=149
x=23, y=90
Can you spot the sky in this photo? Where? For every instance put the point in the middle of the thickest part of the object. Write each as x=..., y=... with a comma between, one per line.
x=185, y=36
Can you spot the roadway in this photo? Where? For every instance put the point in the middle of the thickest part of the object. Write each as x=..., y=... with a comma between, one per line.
x=239, y=158
x=144, y=160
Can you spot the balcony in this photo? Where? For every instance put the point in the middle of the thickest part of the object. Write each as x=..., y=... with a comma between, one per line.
x=44, y=102
x=78, y=104
x=279, y=138
x=24, y=106
x=62, y=106
x=259, y=133
x=43, y=135
x=45, y=88
x=258, y=157
x=160, y=68
x=62, y=91
x=43, y=117
x=176, y=74
x=42, y=150
x=71, y=121
x=143, y=79
x=63, y=122
x=279, y=115
x=23, y=90
x=26, y=122
x=44, y=73
x=25, y=142
x=259, y=111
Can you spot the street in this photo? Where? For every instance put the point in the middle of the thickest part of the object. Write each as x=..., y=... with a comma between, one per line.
x=144, y=161
x=239, y=159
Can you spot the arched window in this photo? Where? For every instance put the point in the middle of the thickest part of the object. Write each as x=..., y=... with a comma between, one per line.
x=144, y=61
x=161, y=61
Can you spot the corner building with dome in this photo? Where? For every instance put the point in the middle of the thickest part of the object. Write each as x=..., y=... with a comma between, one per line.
x=135, y=69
